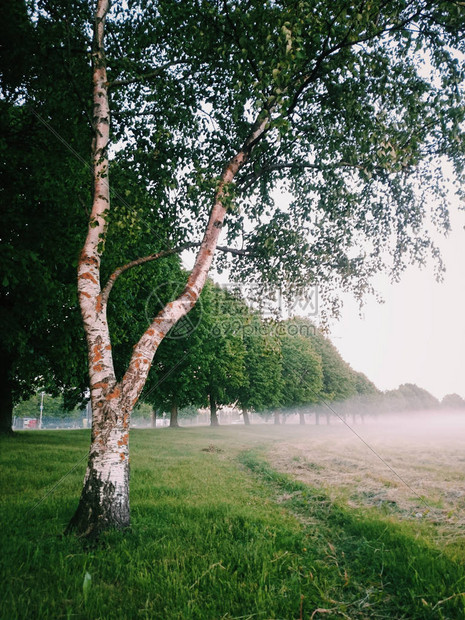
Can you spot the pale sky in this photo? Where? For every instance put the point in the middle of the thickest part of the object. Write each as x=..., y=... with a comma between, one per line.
x=418, y=334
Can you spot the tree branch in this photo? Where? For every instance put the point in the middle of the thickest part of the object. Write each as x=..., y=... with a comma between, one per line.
x=233, y=251
x=148, y=76
x=140, y=261
x=343, y=44
x=248, y=180
x=142, y=356
x=151, y=257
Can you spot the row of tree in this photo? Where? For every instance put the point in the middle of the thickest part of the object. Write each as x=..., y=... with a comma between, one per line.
x=408, y=397
x=225, y=353
x=260, y=378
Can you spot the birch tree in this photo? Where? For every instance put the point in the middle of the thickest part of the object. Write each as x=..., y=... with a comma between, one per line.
x=327, y=100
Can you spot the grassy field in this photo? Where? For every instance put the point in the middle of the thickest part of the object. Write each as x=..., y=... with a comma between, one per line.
x=226, y=524
x=414, y=471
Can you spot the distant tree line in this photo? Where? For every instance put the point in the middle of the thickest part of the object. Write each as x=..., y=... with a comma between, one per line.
x=226, y=353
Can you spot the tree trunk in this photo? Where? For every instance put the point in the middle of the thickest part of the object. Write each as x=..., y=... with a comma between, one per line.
x=6, y=396
x=245, y=413
x=213, y=413
x=301, y=417
x=104, y=501
x=328, y=419
x=153, y=418
x=174, y=415
x=276, y=418
x=317, y=418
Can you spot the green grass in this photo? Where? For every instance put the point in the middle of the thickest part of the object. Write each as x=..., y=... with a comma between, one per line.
x=216, y=534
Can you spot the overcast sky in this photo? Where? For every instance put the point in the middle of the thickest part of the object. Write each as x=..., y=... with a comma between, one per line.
x=418, y=334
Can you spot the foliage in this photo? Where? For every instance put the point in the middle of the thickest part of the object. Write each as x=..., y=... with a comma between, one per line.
x=363, y=105
x=356, y=135
x=364, y=386
x=143, y=410
x=222, y=370
x=263, y=384
x=453, y=401
x=53, y=407
x=45, y=182
x=409, y=396
x=302, y=371
x=176, y=377
x=340, y=381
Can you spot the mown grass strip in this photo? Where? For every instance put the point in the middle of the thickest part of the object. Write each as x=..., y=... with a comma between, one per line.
x=387, y=569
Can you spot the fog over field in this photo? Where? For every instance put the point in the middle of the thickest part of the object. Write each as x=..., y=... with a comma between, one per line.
x=408, y=465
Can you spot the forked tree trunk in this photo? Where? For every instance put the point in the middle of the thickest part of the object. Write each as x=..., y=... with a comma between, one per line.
x=276, y=418
x=174, y=415
x=104, y=501
x=245, y=413
x=301, y=417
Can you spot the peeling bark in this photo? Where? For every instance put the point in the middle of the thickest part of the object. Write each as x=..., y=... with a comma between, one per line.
x=104, y=502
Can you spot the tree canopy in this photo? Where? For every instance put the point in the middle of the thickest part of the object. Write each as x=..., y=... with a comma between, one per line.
x=362, y=103
x=44, y=189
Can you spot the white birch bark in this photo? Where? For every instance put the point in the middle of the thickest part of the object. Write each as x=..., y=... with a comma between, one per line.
x=105, y=496
x=104, y=501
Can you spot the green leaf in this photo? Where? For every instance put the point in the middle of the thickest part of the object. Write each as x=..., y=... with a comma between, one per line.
x=86, y=585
